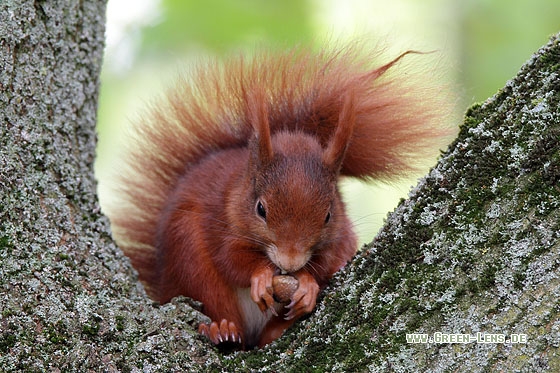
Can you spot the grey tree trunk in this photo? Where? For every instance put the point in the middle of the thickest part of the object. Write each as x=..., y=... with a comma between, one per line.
x=475, y=249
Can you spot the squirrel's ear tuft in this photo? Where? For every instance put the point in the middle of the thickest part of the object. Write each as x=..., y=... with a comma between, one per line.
x=333, y=155
x=257, y=113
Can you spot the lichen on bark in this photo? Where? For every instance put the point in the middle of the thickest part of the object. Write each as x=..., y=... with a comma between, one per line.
x=69, y=300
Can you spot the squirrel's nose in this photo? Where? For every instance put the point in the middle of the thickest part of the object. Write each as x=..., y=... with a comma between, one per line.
x=290, y=262
x=289, y=258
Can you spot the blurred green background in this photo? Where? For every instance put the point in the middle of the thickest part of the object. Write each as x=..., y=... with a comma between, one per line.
x=480, y=44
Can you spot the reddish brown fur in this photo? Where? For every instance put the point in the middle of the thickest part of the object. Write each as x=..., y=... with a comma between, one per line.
x=277, y=128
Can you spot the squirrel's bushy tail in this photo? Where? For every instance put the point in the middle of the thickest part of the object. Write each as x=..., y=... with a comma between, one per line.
x=397, y=122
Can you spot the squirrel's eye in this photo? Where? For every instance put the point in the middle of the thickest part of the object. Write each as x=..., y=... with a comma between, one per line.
x=328, y=217
x=260, y=210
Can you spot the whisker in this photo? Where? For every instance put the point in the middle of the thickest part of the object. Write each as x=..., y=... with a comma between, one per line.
x=312, y=267
x=367, y=216
x=226, y=227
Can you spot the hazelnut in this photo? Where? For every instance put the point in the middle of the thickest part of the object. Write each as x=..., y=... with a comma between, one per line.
x=284, y=287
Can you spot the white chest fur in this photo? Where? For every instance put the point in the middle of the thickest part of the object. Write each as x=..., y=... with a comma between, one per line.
x=255, y=320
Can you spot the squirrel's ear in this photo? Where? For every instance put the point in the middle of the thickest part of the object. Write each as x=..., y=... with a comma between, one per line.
x=257, y=112
x=333, y=155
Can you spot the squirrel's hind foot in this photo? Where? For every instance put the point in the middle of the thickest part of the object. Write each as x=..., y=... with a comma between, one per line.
x=225, y=331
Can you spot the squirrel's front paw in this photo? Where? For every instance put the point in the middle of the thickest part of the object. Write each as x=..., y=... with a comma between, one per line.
x=305, y=297
x=262, y=290
x=225, y=331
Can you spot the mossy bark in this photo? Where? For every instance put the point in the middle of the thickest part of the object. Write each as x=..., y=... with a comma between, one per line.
x=69, y=300
x=474, y=249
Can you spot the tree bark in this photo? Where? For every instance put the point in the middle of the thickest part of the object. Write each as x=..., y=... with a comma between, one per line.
x=475, y=249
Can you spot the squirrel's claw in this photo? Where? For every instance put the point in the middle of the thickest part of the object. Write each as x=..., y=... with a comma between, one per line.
x=262, y=290
x=304, y=298
x=225, y=331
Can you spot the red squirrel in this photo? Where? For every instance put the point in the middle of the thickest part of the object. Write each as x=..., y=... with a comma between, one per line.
x=233, y=179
